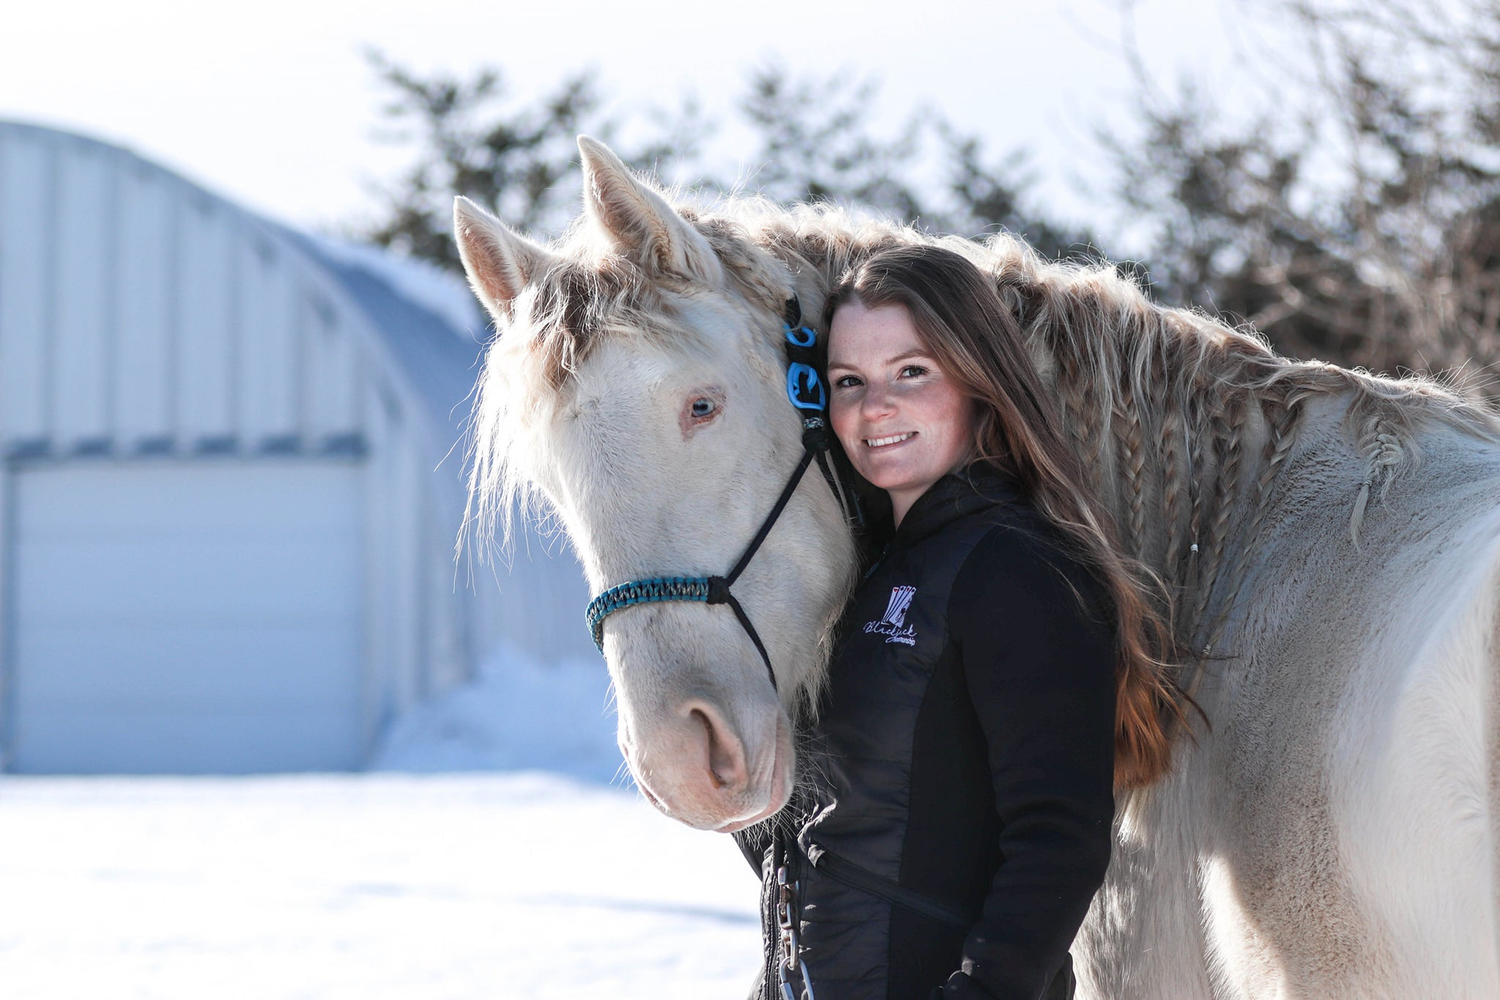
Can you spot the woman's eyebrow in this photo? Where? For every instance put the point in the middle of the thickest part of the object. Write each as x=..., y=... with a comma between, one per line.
x=916, y=353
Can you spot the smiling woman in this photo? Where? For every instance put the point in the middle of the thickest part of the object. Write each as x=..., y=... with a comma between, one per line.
x=959, y=823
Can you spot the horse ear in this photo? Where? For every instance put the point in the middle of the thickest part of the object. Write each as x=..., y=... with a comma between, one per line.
x=642, y=224
x=498, y=261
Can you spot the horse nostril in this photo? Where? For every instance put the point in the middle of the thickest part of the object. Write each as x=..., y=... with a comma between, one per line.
x=726, y=766
x=708, y=731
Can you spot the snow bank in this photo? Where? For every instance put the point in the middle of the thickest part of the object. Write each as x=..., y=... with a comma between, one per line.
x=515, y=715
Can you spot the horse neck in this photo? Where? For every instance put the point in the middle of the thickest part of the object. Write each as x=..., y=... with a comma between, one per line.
x=1185, y=425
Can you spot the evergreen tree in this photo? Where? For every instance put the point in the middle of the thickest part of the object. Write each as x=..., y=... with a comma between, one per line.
x=1365, y=227
x=815, y=142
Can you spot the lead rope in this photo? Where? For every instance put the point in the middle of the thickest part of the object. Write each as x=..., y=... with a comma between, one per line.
x=806, y=391
x=791, y=971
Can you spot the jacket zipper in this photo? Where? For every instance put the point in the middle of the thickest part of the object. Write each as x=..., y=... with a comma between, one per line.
x=852, y=875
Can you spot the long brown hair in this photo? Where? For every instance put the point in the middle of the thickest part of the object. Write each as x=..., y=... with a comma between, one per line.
x=961, y=321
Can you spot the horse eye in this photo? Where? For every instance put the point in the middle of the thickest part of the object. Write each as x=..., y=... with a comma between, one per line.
x=702, y=407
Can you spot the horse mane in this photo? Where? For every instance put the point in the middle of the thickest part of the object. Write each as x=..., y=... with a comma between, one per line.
x=1176, y=412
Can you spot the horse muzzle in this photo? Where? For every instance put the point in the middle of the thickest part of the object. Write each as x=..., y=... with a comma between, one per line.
x=698, y=768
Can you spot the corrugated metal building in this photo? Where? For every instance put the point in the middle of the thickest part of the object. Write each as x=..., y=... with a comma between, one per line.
x=226, y=515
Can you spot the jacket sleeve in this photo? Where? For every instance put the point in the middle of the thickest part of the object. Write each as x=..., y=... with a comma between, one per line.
x=1040, y=672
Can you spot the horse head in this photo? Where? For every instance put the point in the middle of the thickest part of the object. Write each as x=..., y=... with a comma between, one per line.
x=637, y=386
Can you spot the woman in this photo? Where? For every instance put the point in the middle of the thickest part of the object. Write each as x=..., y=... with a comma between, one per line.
x=994, y=679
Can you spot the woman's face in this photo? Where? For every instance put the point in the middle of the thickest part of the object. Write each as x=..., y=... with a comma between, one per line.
x=901, y=419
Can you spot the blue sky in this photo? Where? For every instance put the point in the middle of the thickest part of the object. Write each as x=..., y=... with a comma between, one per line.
x=274, y=105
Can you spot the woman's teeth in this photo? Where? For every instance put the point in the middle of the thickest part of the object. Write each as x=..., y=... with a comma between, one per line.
x=882, y=442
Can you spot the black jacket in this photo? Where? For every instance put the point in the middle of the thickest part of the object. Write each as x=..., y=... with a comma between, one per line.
x=962, y=761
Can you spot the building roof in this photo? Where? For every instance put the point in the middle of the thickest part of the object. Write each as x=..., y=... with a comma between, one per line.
x=429, y=326
x=429, y=320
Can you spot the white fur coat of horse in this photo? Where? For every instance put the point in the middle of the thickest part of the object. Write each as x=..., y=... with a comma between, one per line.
x=1330, y=540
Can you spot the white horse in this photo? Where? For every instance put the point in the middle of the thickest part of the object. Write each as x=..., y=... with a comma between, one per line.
x=1330, y=540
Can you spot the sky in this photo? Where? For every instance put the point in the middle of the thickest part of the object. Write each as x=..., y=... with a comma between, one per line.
x=273, y=104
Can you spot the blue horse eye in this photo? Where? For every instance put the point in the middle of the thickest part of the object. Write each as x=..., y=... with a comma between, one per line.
x=702, y=407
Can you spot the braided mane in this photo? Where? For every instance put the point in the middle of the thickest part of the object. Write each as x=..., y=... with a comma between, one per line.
x=1180, y=416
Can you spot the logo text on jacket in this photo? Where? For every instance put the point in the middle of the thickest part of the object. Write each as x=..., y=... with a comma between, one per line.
x=893, y=625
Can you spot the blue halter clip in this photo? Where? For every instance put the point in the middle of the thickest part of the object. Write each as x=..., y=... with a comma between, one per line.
x=805, y=389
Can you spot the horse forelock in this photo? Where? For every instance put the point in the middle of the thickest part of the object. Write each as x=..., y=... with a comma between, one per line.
x=584, y=297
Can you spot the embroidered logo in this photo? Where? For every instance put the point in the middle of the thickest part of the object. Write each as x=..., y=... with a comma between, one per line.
x=893, y=626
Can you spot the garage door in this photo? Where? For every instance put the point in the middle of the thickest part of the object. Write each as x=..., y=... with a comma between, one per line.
x=185, y=617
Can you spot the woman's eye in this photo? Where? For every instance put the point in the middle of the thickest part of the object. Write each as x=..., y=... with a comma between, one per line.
x=845, y=382
x=913, y=371
x=702, y=407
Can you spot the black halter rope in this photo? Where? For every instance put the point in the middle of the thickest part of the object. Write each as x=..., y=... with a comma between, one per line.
x=804, y=387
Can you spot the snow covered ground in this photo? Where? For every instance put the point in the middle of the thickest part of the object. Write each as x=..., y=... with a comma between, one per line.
x=501, y=884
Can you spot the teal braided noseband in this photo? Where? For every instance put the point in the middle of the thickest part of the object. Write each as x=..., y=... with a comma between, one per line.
x=662, y=588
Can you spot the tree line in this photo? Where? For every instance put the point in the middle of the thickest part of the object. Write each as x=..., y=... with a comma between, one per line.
x=1355, y=218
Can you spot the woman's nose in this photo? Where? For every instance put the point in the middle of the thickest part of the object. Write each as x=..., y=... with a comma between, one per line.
x=878, y=401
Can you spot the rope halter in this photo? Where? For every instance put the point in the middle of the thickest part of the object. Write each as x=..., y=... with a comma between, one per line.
x=804, y=387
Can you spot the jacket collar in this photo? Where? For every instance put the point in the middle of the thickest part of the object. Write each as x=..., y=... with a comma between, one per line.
x=957, y=495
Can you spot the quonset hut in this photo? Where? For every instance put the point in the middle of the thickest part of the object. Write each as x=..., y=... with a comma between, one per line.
x=230, y=487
